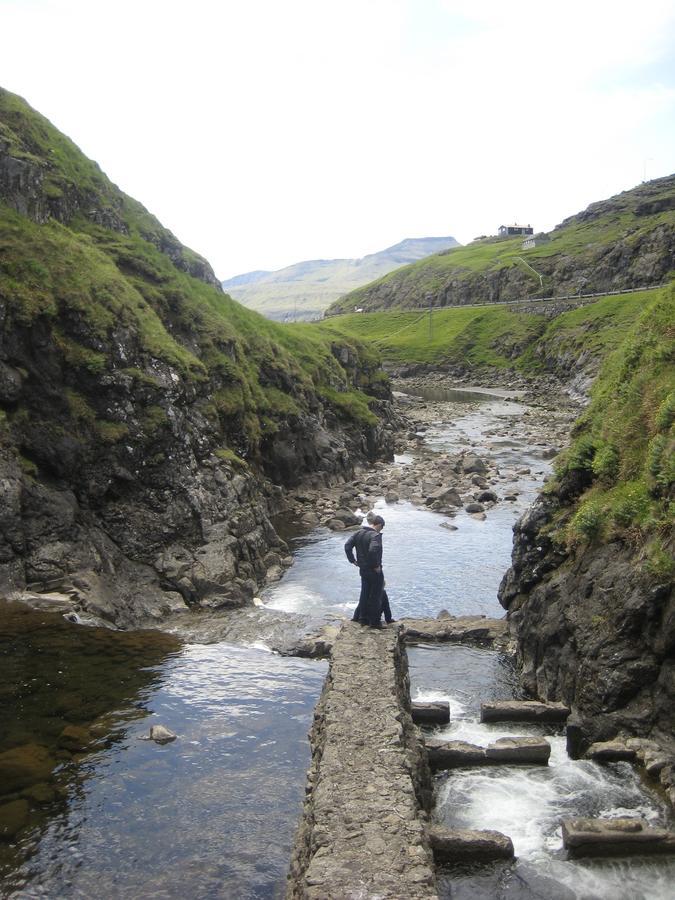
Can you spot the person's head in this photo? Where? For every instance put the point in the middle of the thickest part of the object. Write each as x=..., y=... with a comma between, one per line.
x=378, y=523
x=370, y=517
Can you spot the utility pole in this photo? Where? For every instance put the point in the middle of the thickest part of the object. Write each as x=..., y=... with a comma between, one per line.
x=431, y=324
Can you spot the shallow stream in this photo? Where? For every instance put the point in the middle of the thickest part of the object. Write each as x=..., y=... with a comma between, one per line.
x=213, y=814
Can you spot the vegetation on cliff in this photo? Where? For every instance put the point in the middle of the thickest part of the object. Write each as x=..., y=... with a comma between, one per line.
x=93, y=287
x=623, y=242
x=623, y=449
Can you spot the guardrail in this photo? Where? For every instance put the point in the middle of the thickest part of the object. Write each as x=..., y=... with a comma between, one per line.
x=637, y=290
x=577, y=297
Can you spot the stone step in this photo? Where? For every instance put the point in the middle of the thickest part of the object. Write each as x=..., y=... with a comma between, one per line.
x=435, y=712
x=505, y=751
x=614, y=837
x=451, y=845
x=524, y=711
x=610, y=751
x=457, y=629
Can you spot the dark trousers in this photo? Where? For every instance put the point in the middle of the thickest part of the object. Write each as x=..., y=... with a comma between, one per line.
x=373, y=600
x=386, y=609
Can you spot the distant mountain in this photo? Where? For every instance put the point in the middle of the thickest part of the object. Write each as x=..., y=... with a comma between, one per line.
x=247, y=278
x=305, y=289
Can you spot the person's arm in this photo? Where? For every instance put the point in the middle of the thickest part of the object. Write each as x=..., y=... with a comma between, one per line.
x=375, y=552
x=349, y=549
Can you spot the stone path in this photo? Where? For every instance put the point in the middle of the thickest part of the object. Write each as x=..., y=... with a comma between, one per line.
x=364, y=827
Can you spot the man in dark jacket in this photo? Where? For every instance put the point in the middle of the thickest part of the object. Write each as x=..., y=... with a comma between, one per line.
x=367, y=542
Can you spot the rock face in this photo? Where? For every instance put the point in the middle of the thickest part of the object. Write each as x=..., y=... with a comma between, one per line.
x=369, y=791
x=593, y=630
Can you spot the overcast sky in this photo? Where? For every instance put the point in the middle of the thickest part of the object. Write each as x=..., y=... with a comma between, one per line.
x=264, y=132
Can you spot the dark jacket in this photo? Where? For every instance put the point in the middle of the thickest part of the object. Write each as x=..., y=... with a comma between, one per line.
x=368, y=545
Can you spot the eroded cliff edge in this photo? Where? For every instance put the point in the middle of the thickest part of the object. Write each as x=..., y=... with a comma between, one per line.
x=590, y=591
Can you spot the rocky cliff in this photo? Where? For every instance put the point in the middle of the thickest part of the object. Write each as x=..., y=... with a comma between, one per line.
x=624, y=242
x=590, y=592
x=148, y=424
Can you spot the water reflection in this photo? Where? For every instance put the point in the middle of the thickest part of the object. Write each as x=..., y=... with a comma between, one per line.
x=209, y=815
x=457, y=395
x=62, y=688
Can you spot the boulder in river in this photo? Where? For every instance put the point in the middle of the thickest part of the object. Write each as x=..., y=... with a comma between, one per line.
x=519, y=750
x=470, y=463
x=453, y=754
x=610, y=751
x=13, y=817
x=486, y=497
x=74, y=738
x=435, y=712
x=23, y=766
x=160, y=734
x=347, y=517
x=335, y=524
x=523, y=711
x=445, y=496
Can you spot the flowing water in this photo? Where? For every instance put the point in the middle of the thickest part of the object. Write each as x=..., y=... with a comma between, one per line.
x=528, y=803
x=103, y=813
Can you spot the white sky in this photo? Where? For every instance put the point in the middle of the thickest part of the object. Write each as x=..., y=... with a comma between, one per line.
x=264, y=132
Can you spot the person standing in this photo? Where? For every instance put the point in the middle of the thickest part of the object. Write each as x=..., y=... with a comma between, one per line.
x=367, y=542
x=386, y=608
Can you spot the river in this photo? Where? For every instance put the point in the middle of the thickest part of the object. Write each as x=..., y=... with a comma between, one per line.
x=213, y=813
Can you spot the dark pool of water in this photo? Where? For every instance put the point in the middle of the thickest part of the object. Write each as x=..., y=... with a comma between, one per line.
x=455, y=395
x=210, y=815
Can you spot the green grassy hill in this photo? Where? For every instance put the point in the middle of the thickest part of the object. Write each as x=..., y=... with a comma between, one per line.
x=623, y=447
x=624, y=242
x=495, y=336
x=97, y=299
x=305, y=290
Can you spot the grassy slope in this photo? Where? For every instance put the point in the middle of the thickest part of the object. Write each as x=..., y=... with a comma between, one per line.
x=624, y=442
x=83, y=283
x=580, y=237
x=491, y=336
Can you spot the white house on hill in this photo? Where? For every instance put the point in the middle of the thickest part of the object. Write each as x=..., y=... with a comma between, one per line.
x=514, y=230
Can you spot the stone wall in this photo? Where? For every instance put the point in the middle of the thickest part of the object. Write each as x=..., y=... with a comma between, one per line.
x=363, y=832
